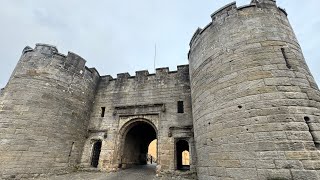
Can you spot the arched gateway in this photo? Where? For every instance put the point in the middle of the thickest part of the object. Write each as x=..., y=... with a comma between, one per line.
x=134, y=139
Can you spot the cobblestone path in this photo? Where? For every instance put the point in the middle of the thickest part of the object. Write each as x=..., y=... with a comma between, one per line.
x=137, y=173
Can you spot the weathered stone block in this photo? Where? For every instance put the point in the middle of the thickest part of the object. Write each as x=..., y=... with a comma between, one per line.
x=304, y=175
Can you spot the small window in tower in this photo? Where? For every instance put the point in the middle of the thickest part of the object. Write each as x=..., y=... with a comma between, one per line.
x=103, y=110
x=71, y=149
x=180, y=107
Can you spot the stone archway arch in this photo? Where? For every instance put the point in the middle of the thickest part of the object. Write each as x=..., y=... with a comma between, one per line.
x=133, y=138
x=126, y=126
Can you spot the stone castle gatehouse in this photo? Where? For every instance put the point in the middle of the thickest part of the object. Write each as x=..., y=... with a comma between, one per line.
x=246, y=107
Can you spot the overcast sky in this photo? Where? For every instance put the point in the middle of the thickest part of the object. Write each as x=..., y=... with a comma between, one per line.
x=119, y=36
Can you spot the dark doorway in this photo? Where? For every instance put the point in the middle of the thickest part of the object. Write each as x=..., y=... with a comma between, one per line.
x=136, y=142
x=181, y=147
x=96, y=154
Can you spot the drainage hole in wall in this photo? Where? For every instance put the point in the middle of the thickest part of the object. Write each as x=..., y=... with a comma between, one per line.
x=307, y=119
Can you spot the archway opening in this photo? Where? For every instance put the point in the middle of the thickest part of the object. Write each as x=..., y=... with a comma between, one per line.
x=96, y=149
x=182, y=155
x=136, y=144
x=152, y=152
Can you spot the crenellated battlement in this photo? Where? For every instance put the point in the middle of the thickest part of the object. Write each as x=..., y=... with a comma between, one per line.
x=144, y=74
x=74, y=63
x=231, y=10
x=123, y=76
x=71, y=62
x=263, y=2
x=46, y=48
x=91, y=72
x=223, y=12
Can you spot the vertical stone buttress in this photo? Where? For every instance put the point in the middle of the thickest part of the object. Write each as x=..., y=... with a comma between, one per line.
x=256, y=106
x=44, y=112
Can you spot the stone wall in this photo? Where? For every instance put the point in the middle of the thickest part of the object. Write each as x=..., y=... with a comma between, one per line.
x=152, y=97
x=44, y=113
x=256, y=106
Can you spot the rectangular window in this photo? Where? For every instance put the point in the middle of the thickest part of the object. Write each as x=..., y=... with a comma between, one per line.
x=180, y=107
x=103, y=110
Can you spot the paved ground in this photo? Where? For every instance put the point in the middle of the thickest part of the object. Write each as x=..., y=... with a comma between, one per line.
x=146, y=172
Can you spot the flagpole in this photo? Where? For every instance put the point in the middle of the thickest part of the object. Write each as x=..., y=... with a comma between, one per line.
x=155, y=56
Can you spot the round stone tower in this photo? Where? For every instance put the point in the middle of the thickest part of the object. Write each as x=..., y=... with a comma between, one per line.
x=44, y=112
x=256, y=106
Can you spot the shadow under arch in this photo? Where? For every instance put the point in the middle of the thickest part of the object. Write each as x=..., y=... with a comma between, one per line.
x=134, y=139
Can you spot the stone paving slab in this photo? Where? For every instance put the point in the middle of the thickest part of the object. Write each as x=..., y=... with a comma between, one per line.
x=136, y=173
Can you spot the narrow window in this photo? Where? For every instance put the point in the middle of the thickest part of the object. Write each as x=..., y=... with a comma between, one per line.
x=285, y=58
x=180, y=107
x=103, y=110
x=71, y=149
x=313, y=135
